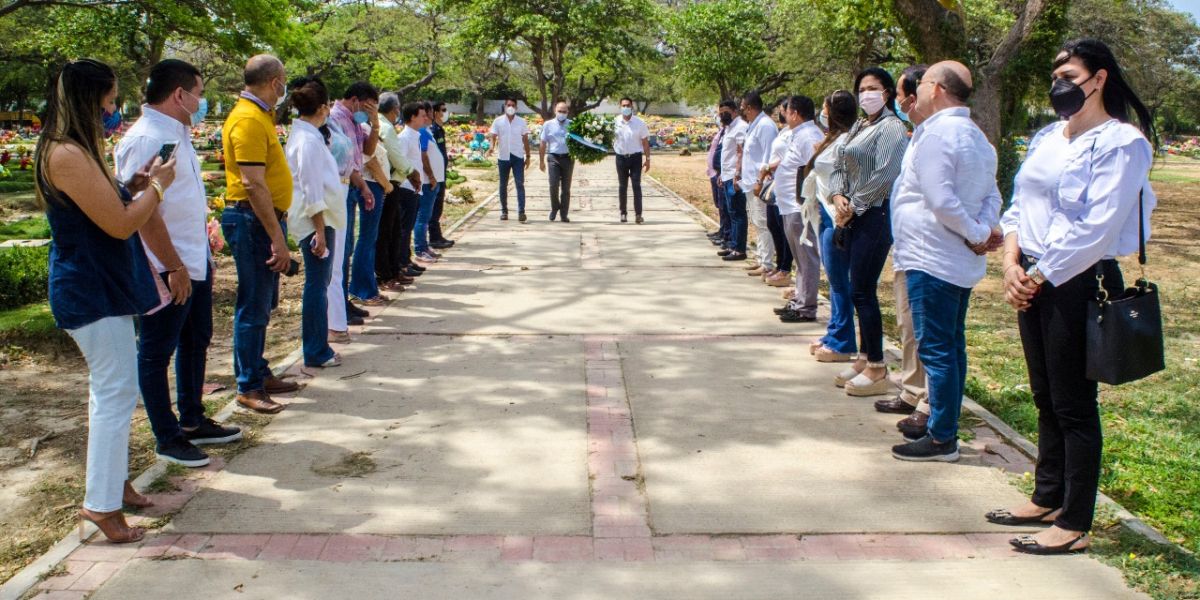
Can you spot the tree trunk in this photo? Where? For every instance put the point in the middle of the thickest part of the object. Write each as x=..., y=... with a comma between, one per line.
x=937, y=33
x=480, y=104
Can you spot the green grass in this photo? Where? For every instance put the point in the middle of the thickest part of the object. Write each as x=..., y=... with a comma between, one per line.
x=31, y=321
x=31, y=228
x=17, y=181
x=1172, y=176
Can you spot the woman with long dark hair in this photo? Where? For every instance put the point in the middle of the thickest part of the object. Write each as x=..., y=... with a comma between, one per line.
x=838, y=115
x=1075, y=209
x=100, y=278
x=866, y=167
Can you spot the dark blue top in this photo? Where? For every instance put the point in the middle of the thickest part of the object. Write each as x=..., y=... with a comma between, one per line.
x=92, y=274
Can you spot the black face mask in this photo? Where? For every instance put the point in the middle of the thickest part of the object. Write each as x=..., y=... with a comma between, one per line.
x=1067, y=98
x=726, y=118
x=783, y=118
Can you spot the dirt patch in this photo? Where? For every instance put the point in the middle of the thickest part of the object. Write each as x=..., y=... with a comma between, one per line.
x=351, y=464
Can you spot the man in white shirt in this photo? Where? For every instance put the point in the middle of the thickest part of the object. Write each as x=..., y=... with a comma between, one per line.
x=756, y=154
x=735, y=196
x=801, y=234
x=176, y=240
x=414, y=118
x=510, y=142
x=554, y=143
x=632, y=147
x=945, y=217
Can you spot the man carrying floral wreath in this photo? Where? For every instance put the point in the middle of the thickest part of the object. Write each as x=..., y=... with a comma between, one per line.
x=554, y=143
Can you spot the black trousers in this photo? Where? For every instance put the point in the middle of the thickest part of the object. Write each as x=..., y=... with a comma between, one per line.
x=560, y=167
x=435, y=218
x=783, y=250
x=629, y=167
x=1053, y=333
x=387, y=244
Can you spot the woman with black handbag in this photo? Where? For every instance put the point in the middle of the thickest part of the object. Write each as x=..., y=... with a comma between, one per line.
x=1075, y=209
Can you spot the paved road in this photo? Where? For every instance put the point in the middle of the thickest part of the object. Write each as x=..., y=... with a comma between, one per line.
x=586, y=410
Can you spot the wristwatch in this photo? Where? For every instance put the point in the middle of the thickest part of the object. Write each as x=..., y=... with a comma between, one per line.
x=1036, y=275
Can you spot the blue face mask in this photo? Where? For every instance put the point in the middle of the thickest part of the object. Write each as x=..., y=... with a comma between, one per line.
x=900, y=113
x=201, y=112
x=360, y=118
x=112, y=122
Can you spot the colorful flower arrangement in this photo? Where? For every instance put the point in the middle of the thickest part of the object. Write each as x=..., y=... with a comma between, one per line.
x=1189, y=148
x=599, y=132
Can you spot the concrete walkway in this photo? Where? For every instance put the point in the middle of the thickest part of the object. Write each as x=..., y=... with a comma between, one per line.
x=586, y=410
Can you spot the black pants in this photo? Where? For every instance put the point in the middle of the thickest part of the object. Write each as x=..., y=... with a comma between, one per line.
x=560, y=167
x=629, y=167
x=783, y=251
x=435, y=218
x=1053, y=333
x=387, y=244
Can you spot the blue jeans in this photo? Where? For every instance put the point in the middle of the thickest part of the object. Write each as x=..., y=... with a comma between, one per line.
x=516, y=165
x=739, y=223
x=870, y=240
x=718, y=192
x=314, y=319
x=183, y=330
x=939, y=313
x=257, y=294
x=424, y=213
x=839, y=334
x=362, y=282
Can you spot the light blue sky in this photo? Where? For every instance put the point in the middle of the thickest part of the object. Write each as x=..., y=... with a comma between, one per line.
x=1192, y=6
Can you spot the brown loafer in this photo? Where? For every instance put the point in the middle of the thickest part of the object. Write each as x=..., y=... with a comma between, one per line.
x=913, y=425
x=274, y=385
x=259, y=402
x=895, y=406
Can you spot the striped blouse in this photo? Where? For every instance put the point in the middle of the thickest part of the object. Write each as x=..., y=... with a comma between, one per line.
x=869, y=162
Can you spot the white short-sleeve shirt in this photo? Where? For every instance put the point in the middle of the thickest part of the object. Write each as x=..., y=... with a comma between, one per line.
x=510, y=136
x=629, y=135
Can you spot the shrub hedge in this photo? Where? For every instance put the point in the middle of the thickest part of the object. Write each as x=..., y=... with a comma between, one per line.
x=24, y=275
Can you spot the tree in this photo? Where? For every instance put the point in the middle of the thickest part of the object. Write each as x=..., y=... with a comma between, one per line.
x=574, y=50
x=720, y=44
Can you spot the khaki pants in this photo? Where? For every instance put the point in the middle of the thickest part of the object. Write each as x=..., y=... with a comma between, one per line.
x=912, y=373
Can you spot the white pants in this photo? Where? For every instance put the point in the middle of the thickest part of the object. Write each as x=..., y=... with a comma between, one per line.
x=764, y=244
x=110, y=348
x=335, y=293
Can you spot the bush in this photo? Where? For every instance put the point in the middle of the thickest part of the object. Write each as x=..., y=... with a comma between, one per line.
x=24, y=276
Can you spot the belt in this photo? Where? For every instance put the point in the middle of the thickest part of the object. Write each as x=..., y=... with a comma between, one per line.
x=561, y=154
x=628, y=155
x=245, y=205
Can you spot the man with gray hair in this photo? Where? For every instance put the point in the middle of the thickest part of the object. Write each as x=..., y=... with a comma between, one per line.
x=945, y=217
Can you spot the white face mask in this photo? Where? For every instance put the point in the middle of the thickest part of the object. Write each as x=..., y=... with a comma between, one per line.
x=626, y=111
x=510, y=110
x=824, y=120
x=871, y=102
x=446, y=117
x=282, y=97
x=562, y=116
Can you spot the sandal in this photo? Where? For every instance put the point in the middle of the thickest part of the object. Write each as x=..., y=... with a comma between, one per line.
x=1003, y=516
x=1029, y=545
x=376, y=301
x=112, y=525
x=131, y=498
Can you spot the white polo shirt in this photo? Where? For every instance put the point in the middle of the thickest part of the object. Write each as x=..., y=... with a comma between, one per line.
x=510, y=136
x=630, y=135
x=184, y=206
x=410, y=144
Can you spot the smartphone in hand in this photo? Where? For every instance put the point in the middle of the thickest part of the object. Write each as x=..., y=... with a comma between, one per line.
x=167, y=150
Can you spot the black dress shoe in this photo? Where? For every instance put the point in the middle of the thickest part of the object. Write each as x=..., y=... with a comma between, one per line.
x=355, y=320
x=624, y=219
x=793, y=316
x=565, y=219
x=354, y=311
x=782, y=309
x=725, y=252
x=504, y=215
x=412, y=273
x=894, y=406
x=521, y=217
x=914, y=426
x=640, y=220
x=415, y=267
x=553, y=215
x=441, y=244
x=732, y=256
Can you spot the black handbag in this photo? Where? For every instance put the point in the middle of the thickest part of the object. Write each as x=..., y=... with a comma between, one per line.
x=1125, y=334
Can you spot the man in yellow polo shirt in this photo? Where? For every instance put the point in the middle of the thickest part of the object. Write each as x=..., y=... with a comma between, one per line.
x=257, y=195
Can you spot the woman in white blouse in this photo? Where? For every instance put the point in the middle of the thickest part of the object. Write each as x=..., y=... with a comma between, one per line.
x=839, y=344
x=1074, y=210
x=313, y=217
